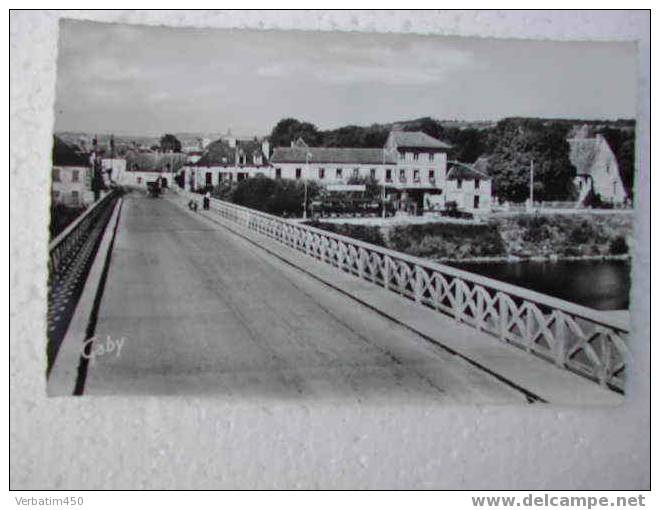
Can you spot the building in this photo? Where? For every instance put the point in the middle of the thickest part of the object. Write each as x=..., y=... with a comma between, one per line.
x=468, y=187
x=112, y=170
x=225, y=161
x=144, y=167
x=597, y=169
x=71, y=176
x=411, y=168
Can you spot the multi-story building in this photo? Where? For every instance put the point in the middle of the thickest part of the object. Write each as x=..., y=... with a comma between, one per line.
x=71, y=176
x=412, y=169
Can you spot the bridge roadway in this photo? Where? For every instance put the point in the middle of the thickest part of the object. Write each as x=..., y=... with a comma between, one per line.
x=203, y=311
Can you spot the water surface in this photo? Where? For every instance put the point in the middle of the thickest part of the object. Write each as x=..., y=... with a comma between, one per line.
x=599, y=284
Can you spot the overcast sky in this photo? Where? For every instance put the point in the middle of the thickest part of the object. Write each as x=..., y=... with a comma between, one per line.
x=150, y=80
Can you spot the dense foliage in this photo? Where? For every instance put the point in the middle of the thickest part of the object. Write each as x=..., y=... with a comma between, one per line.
x=283, y=197
x=518, y=142
x=447, y=240
x=170, y=143
x=366, y=233
x=289, y=130
x=526, y=236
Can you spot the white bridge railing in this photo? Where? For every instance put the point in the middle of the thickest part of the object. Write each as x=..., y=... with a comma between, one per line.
x=574, y=337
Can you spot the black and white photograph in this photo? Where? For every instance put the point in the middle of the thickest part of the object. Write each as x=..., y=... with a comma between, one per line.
x=330, y=250
x=354, y=217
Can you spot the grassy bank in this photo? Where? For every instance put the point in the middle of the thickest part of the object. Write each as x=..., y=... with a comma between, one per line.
x=566, y=236
x=522, y=237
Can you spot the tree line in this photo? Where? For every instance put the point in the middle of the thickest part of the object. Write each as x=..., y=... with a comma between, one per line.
x=510, y=145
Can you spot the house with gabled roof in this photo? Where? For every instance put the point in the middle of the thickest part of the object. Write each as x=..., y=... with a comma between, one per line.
x=597, y=169
x=71, y=176
x=227, y=161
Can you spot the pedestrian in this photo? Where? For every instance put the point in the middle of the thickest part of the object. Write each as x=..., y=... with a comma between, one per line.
x=207, y=200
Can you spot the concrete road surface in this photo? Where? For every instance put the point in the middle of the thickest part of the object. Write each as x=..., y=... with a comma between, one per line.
x=204, y=312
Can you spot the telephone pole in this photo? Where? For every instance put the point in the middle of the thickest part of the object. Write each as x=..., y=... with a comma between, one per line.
x=531, y=184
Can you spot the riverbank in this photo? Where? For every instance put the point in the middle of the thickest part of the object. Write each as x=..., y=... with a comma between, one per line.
x=504, y=239
x=520, y=260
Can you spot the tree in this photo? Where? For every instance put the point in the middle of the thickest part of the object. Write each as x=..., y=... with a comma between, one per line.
x=170, y=143
x=288, y=130
x=517, y=143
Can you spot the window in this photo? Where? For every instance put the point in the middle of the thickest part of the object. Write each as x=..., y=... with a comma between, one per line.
x=372, y=173
x=477, y=183
x=209, y=179
x=278, y=173
x=75, y=196
x=431, y=175
x=388, y=175
x=431, y=156
x=416, y=175
x=416, y=156
x=75, y=175
x=401, y=156
x=56, y=175
x=459, y=183
x=338, y=173
x=476, y=201
x=356, y=172
x=298, y=173
x=321, y=173
x=402, y=175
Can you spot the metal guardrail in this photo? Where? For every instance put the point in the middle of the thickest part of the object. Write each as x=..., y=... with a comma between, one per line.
x=63, y=249
x=574, y=337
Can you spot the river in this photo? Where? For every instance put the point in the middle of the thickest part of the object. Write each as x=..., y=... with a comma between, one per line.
x=599, y=284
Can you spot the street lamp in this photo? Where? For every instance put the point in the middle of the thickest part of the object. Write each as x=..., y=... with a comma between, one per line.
x=308, y=156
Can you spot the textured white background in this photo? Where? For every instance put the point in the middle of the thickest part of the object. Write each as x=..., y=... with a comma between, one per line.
x=80, y=443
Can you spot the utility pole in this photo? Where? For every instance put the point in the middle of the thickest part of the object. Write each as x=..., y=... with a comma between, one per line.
x=307, y=156
x=531, y=184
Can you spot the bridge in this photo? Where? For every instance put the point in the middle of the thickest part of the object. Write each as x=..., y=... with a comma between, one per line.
x=147, y=297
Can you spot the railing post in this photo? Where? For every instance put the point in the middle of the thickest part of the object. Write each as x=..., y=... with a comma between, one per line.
x=480, y=308
x=386, y=272
x=503, y=316
x=419, y=283
x=458, y=299
x=360, y=262
x=528, y=327
x=561, y=339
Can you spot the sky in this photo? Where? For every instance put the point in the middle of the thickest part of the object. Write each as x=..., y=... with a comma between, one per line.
x=139, y=80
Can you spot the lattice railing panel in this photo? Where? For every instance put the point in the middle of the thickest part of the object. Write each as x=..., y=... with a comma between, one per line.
x=571, y=336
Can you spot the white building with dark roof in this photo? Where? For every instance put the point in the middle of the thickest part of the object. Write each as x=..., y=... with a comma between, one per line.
x=71, y=176
x=411, y=167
